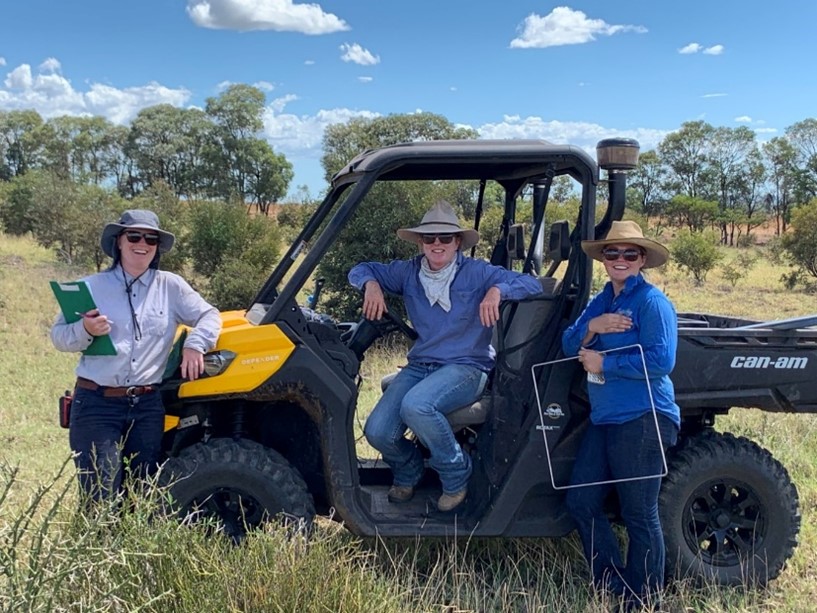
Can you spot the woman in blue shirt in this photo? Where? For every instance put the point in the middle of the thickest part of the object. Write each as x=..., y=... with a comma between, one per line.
x=452, y=302
x=624, y=439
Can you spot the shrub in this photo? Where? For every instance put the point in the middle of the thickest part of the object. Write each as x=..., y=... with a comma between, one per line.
x=799, y=242
x=696, y=253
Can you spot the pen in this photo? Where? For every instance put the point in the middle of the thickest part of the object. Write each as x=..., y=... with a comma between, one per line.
x=110, y=321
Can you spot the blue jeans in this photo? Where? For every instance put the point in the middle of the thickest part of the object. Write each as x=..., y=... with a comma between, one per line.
x=419, y=398
x=103, y=431
x=619, y=451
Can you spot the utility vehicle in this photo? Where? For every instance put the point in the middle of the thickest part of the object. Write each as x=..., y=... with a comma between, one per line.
x=270, y=432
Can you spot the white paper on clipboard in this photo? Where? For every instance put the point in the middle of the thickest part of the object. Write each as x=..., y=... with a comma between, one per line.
x=544, y=430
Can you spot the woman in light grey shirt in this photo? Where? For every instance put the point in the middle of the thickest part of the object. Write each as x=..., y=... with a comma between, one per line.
x=117, y=410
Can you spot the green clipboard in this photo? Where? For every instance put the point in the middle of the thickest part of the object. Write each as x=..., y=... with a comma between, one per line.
x=74, y=298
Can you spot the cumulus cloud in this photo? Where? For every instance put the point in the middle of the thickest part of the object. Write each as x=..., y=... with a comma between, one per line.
x=743, y=119
x=565, y=26
x=357, y=54
x=582, y=134
x=690, y=48
x=309, y=62
x=264, y=86
x=365, y=79
x=2, y=61
x=276, y=15
x=765, y=130
x=697, y=48
x=52, y=95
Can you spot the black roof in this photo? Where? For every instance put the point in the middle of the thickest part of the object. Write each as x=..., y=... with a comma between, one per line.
x=468, y=159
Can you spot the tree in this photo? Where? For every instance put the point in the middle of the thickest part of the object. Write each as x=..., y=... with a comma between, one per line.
x=687, y=155
x=695, y=252
x=20, y=142
x=799, y=242
x=803, y=138
x=647, y=183
x=729, y=151
x=694, y=213
x=780, y=157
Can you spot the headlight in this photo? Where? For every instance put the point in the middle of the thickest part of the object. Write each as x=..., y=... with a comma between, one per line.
x=217, y=362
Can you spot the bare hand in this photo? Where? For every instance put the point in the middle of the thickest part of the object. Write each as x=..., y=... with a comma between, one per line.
x=96, y=324
x=592, y=361
x=609, y=323
x=192, y=364
x=374, y=303
x=489, y=307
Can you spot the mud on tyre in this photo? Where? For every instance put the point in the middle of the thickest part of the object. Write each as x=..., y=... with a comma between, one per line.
x=729, y=511
x=241, y=484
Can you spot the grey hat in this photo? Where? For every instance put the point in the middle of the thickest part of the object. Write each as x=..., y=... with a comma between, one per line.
x=135, y=219
x=440, y=219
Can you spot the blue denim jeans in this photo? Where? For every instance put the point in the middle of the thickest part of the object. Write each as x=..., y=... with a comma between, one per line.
x=419, y=398
x=621, y=451
x=104, y=431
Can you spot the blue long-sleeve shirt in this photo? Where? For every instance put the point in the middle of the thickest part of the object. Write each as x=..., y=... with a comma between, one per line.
x=456, y=336
x=624, y=394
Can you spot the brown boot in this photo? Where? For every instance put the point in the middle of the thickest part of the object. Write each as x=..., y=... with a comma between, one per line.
x=449, y=502
x=401, y=493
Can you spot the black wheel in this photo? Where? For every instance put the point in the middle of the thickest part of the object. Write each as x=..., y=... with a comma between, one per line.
x=241, y=484
x=729, y=511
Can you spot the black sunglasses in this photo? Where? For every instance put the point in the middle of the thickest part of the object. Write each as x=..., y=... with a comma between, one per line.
x=134, y=237
x=631, y=255
x=445, y=239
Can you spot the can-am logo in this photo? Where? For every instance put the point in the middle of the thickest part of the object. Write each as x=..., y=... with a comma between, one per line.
x=791, y=363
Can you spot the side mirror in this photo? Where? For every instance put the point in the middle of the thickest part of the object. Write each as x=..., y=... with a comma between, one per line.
x=516, y=242
x=559, y=241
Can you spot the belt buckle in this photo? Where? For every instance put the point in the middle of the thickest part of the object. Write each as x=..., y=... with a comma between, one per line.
x=131, y=391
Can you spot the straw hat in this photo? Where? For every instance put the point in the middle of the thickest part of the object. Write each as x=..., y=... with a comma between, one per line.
x=135, y=219
x=629, y=233
x=440, y=219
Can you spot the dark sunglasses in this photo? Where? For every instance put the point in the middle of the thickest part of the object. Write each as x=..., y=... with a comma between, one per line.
x=134, y=237
x=631, y=255
x=445, y=239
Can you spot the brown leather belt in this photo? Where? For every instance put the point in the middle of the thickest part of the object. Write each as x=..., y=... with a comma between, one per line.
x=115, y=392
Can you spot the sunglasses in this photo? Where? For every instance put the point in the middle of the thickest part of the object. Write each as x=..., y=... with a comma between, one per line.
x=445, y=239
x=134, y=237
x=630, y=255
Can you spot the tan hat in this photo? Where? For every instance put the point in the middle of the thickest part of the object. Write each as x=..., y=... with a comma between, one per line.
x=629, y=233
x=440, y=219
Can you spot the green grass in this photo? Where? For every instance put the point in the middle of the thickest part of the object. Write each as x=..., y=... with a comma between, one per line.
x=53, y=558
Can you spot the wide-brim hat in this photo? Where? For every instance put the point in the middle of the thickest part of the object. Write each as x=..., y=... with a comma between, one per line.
x=440, y=219
x=135, y=219
x=628, y=232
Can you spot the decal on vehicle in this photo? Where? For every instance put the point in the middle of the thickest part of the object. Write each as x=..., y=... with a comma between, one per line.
x=791, y=363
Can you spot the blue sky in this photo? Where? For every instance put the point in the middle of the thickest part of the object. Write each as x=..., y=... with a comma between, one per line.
x=568, y=73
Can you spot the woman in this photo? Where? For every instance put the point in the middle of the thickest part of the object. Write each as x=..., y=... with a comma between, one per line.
x=622, y=440
x=117, y=410
x=453, y=302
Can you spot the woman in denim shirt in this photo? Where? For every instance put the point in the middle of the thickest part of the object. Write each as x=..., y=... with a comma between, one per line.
x=622, y=441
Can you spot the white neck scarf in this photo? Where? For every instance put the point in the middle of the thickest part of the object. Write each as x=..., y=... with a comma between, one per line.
x=436, y=283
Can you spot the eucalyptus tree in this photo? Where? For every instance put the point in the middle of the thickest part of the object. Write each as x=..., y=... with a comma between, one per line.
x=20, y=142
x=83, y=149
x=803, y=137
x=687, y=156
x=781, y=162
x=647, y=184
x=729, y=151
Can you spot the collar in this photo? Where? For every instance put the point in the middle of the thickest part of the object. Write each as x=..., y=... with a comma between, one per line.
x=144, y=279
x=630, y=285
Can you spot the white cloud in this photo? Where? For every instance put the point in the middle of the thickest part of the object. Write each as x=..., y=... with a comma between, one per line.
x=357, y=54
x=2, y=61
x=743, y=119
x=690, y=48
x=696, y=48
x=264, y=86
x=582, y=134
x=564, y=26
x=50, y=65
x=302, y=135
x=276, y=15
x=309, y=62
x=765, y=130
x=52, y=95
x=718, y=95
x=365, y=79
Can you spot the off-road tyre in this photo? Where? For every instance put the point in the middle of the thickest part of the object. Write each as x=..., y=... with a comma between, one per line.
x=729, y=511
x=241, y=484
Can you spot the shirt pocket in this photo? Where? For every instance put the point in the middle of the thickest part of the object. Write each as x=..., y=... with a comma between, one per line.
x=155, y=322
